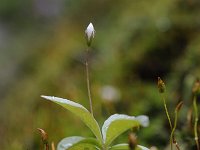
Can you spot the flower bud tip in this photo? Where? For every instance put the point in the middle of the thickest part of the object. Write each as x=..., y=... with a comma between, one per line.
x=89, y=32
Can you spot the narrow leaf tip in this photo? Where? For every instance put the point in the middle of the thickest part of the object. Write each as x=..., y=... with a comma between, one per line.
x=46, y=97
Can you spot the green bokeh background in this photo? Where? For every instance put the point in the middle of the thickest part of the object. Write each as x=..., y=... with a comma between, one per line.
x=42, y=49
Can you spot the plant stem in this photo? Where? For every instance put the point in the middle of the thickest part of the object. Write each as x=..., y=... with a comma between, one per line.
x=176, y=144
x=88, y=80
x=196, y=122
x=166, y=111
x=104, y=147
x=168, y=117
x=172, y=139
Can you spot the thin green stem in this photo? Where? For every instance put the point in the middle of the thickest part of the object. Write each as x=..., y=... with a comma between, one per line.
x=166, y=111
x=168, y=117
x=196, y=122
x=88, y=80
x=172, y=140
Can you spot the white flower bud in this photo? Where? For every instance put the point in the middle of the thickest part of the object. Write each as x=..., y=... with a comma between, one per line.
x=89, y=32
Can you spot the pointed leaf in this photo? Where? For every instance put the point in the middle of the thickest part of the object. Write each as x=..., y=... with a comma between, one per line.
x=78, y=143
x=125, y=146
x=80, y=111
x=119, y=123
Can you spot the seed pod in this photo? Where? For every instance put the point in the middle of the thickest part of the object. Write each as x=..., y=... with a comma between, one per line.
x=44, y=135
x=161, y=85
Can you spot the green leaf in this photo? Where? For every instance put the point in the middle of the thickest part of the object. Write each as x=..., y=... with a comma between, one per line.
x=80, y=111
x=68, y=142
x=119, y=123
x=125, y=146
x=120, y=147
x=87, y=144
x=142, y=147
x=84, y=146
x=78, y=143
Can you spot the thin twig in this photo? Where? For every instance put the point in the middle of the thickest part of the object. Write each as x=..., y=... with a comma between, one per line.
x=88, y=80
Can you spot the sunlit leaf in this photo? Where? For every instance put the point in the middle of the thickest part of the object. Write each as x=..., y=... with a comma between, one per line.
x=87, y=144
x=68, y=142
x=142, y=147
x=78, y=143
x=80, y=111
x=84, y=146
x=119, y=123
x=125, y=146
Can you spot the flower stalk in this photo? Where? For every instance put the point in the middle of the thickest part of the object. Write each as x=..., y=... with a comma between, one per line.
x=88, y=80
x=89, y=32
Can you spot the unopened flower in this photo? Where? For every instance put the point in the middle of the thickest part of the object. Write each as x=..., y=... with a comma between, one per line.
x=89, y=32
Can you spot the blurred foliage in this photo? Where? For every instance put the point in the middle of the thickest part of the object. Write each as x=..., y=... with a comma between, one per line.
x=42, y=48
